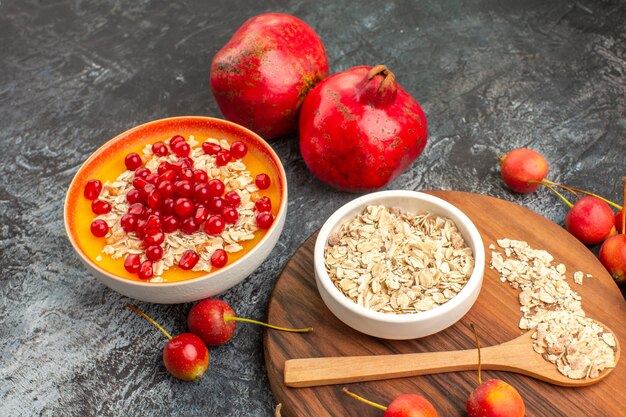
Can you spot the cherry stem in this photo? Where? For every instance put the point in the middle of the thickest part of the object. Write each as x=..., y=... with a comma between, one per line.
x=554, y=190
x=480, y=379
x=144, y=315
x=575, y=191
x=624, y=211
x=363, y=400
x=284, y=329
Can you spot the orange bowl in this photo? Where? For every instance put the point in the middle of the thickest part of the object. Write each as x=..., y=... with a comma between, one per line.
x=109, y=158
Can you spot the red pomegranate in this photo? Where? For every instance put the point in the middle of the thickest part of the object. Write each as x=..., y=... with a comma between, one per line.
x=261, y=76
x=359, y=129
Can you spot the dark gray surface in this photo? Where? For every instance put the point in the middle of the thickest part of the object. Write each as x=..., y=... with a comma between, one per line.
x=490, y=75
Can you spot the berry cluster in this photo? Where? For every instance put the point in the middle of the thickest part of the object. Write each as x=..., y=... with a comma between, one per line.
x=177, y=197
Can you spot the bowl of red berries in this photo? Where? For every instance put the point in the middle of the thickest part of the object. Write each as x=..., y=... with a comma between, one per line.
x=178, y=209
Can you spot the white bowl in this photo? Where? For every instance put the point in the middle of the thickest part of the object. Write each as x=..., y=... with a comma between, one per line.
x=206, y=285
x=400, y=326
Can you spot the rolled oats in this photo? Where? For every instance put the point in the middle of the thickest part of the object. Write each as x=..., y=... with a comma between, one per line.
x=398, y=263
x=577, y=345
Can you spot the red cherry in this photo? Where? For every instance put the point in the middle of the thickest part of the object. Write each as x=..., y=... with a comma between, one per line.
x=186, y=357
x=263, y=204
x=264, y=220
x=262, y=181
x=145, y=270
x=230, y=214
x=132, y=161
x=92, y=189
x=189, y=226
x=184, y=188
x=160, y=149
x=188, y=260
x=166, y=189
x=154, y=238
x=201, y=193
x=219, y=258
x=137, y=209
x=164, y=166
x=211, y=148
x=201, y=214
x=200, y=176
x=170, y=224
x=522, y=169
x=214, y=225
x=142, y=172
x=99, y=228
x=232, y=198
x=183, y=207
x=222, y=158
x=128, y=222
x=154, y=253
x=216, y=187
x=132, y=262
x=181, y=149
x=176, y=139
x=100, y=207
x=238, y=150
x=206, y=319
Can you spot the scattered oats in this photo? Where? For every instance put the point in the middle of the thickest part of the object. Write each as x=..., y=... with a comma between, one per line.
x=99, y=258
x=157, y=279
x=492, y=246
x=578, y=277
x=398, y=263
x=578, y=346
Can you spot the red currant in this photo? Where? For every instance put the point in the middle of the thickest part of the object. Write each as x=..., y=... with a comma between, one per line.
x=222, y=158
x=200, y=176
x=154, y=253
x=215, y=205
x=92, y=189
x=141, y=172
x=232, y=198
x=166, y=189
x=153, y=224
x=263, y=204
x=189, y=226
x=216, y=187
x=170, y=223
x=188, y=260
x=186, y=174
x=100, y=207
x=183, y=207
x=262, y=181
x=219, y=258
x=132, y=262
x=154, y=199
x=139, y=182
x=176, y=139
x=137, y=209
x=184, y=188
x=230, y=214
x=128, y=222
x=238, y=150
x=201, y=214
x=164, y=166
x=264, y=220
x=201, y=193
x=132, y=161
x=99, y=228
x=168, y=206
x=160, y=149
x=145, y=270
x=168, y=175
x=214, y=225
x=181, y=149
x=152, y=178
x=154, y=238
x=211, y=148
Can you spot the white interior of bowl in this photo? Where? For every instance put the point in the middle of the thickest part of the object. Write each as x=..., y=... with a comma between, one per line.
x=407, y=201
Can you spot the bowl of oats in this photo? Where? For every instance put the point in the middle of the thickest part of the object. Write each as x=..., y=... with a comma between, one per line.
x=178, y=209
x=399, y=264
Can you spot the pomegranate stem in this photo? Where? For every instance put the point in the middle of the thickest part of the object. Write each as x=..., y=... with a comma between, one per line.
x=144, y=315
x=284, y=329
x=576, y=190
x=363, y=400
x=554, y=190
x=480, y=379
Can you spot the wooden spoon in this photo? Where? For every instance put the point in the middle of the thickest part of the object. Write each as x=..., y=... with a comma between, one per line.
x=516, y=355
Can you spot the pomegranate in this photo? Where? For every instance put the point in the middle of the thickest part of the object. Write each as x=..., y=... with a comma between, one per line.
x=359, y=129
x=261, y=76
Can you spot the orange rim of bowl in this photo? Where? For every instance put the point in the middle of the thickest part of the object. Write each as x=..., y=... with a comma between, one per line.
x=73, y=192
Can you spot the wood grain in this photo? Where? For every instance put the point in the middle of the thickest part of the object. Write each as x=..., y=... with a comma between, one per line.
x=296, y=302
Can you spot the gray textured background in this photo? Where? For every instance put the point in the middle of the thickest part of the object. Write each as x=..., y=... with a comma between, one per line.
x=490, y=75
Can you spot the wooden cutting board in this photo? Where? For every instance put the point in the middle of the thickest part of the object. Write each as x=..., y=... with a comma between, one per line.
x=296, y=302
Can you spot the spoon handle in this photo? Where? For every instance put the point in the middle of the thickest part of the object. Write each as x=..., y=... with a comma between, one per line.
x=312, y=372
